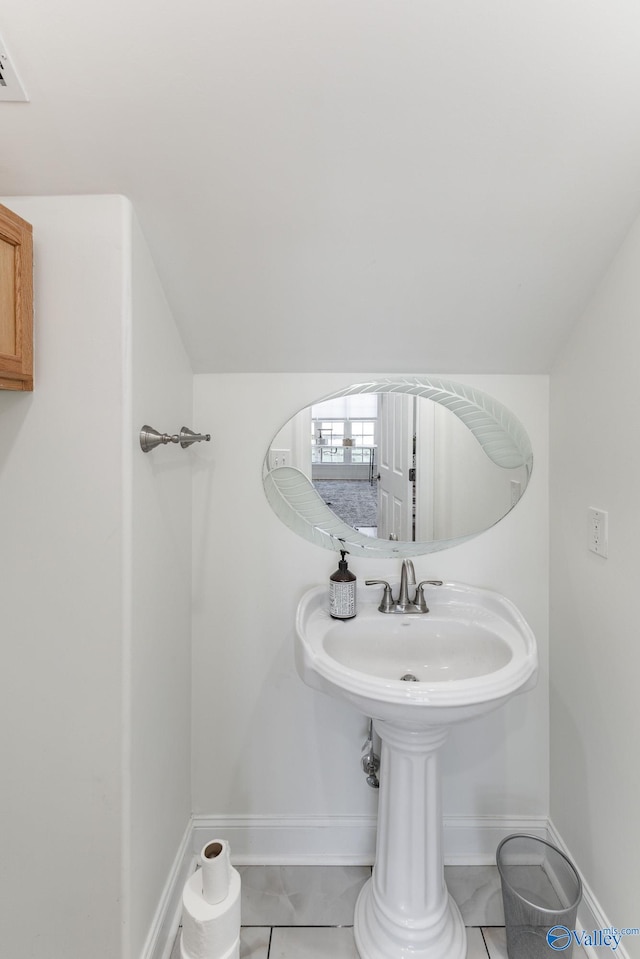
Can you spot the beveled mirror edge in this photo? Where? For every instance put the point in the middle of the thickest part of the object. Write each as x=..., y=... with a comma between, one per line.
x=497, y=430
x=327, y=529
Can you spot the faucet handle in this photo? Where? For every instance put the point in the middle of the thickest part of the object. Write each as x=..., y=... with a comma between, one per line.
x=419, y=600
x=387, y=604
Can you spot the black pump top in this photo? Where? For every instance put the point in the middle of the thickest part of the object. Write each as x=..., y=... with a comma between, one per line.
x=343, y=563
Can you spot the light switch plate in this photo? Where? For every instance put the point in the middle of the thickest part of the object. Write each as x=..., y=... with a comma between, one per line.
x=279, y=458
x=598, y=531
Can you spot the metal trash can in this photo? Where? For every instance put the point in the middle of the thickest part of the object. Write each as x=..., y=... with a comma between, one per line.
x=541, y=891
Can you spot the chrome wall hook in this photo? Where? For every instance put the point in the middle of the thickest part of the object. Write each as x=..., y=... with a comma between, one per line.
x=150, y=438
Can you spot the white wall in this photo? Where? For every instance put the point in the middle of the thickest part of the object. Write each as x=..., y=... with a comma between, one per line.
x=595, y=723
x=265, y=744
x=61, y=504
x=95, y=679
x=159, y=760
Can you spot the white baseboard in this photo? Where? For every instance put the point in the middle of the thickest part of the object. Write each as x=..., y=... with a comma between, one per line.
x=292, y=841
x=167, y=917
x=591, y=916
x=349, y=840
x=473, y=840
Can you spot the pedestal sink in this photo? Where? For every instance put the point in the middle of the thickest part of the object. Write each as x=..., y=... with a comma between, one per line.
x=415, y=675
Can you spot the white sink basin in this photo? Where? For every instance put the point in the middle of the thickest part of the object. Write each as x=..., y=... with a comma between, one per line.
x=469, y=654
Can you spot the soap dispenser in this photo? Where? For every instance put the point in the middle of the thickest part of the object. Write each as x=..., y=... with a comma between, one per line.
x=342, y=591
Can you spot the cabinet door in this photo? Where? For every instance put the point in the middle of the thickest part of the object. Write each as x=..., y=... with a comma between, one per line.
x=16, y=302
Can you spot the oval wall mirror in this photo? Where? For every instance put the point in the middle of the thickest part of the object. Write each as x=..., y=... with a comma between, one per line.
x=397, y=467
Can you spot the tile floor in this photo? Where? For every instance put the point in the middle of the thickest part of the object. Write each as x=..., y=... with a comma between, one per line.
x=306, y=912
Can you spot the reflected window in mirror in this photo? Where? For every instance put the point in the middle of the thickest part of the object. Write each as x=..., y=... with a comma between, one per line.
x=423, y=461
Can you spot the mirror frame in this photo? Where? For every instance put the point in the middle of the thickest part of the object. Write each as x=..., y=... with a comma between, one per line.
x=295, y=500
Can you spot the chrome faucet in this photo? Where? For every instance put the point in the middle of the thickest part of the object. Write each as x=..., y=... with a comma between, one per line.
x=403, y=604
x=407, y=578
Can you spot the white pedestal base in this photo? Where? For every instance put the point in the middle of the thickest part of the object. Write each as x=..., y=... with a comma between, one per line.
x=381, y=937
x=405, y=911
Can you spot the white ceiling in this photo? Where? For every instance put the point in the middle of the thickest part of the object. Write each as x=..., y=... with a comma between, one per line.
x=345, y=184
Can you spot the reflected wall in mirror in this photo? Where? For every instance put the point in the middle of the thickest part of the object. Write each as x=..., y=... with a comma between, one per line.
x=397, y=467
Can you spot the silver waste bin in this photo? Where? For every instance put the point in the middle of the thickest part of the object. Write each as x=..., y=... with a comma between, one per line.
x=541, y=891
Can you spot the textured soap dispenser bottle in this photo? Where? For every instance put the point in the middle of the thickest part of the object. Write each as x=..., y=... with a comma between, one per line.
x=342, y=591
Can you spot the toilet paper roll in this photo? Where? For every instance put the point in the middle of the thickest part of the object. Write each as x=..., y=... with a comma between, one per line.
x=215, y=862
x=210, y=930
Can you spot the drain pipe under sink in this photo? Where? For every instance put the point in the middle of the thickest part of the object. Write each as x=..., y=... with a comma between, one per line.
x=370, y=760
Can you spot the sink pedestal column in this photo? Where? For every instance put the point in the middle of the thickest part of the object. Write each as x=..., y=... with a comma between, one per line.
x=405, y=911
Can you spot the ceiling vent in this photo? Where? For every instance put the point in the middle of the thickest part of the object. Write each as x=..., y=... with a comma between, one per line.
x=10, y=86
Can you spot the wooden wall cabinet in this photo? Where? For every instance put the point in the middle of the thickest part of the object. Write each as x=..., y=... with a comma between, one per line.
x=16, y=302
